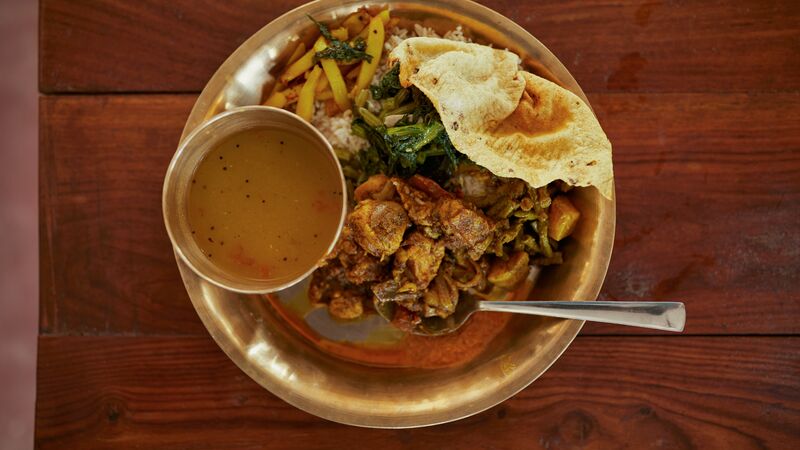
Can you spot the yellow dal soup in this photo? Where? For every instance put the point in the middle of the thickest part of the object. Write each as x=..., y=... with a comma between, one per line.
x=261, y=205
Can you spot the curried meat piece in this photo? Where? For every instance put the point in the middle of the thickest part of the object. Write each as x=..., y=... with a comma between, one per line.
x=357, y=265
x=405, y=320
x=413, y=243
x=377, y=187
x=484, y=189
x=378, y=226
x=329, y=284
x=441, y=297
x=325, y=280
x=507, y=273
x=431, y=232
x=428, y=186
x=412, y=305
x=464, y=227
x=361, y=267
x=420, y=206
x=346, y=304
x=511, y=187
x=394, y=291
x=466, y=273
x=418, y=259
x=475, y=185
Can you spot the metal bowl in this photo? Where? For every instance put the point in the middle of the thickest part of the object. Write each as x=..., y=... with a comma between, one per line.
x=194, y=149
x=365, y=373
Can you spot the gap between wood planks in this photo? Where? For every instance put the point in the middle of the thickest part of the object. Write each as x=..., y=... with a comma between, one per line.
x=103, y=334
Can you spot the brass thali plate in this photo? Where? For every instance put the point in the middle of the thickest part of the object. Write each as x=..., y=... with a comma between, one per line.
x=366, y=373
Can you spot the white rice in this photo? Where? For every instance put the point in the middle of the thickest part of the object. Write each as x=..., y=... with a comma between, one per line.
x=337, y=128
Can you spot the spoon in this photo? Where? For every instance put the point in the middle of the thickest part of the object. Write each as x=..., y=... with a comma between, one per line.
x=668, y=316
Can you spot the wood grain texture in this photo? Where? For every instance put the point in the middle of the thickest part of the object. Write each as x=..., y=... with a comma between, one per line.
x=708, y=211
x=106, y=261
x=617, y=46
x=653, y=392
x=144, y=46
x=708, y=207
x=700, y=100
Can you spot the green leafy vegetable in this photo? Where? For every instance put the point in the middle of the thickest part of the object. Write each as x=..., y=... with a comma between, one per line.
x=411, y=138
x=389, y=85
x=452, y=154
x=323, y=29
x=340, y=50
x=377, y=158
x=417, y=143
x=424, y=112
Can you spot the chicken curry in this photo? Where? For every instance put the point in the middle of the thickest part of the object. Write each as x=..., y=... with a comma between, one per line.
x=413, y=242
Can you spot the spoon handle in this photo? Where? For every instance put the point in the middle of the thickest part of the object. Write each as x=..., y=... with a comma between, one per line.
x=669, y=316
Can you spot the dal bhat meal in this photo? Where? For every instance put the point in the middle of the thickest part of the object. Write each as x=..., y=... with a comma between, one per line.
x=460, y=164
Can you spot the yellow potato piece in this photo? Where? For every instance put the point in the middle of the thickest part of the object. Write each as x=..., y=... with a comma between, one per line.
x=292, y=94
x=305, y=101
x=340, y=34
x=277, y=87
x=356, y=22
x=383, y=16
x=334, y=76
x=323, y=84
x=375, y=37
x=350, y=76
x=276, y=99
x=300, y=66
x=297, y=53
x=562, y=218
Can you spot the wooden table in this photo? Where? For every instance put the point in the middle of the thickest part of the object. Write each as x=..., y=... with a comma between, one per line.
x=702, y=104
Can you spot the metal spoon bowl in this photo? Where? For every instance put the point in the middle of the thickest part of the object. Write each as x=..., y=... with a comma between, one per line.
x=667, y=316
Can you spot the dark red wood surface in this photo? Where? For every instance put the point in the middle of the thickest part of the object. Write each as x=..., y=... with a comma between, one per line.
x=622, y=45
x=701, y=101
x=647, y=392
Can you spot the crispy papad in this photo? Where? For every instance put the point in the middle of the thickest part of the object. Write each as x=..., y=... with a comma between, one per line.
x=509, y=121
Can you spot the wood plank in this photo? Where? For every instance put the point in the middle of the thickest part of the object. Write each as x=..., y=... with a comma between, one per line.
x=620, y=45
x=144, y=46
x=107, y=264
x=708, y=193
x=177, y=392
x=669, y=46
x=708, y=208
